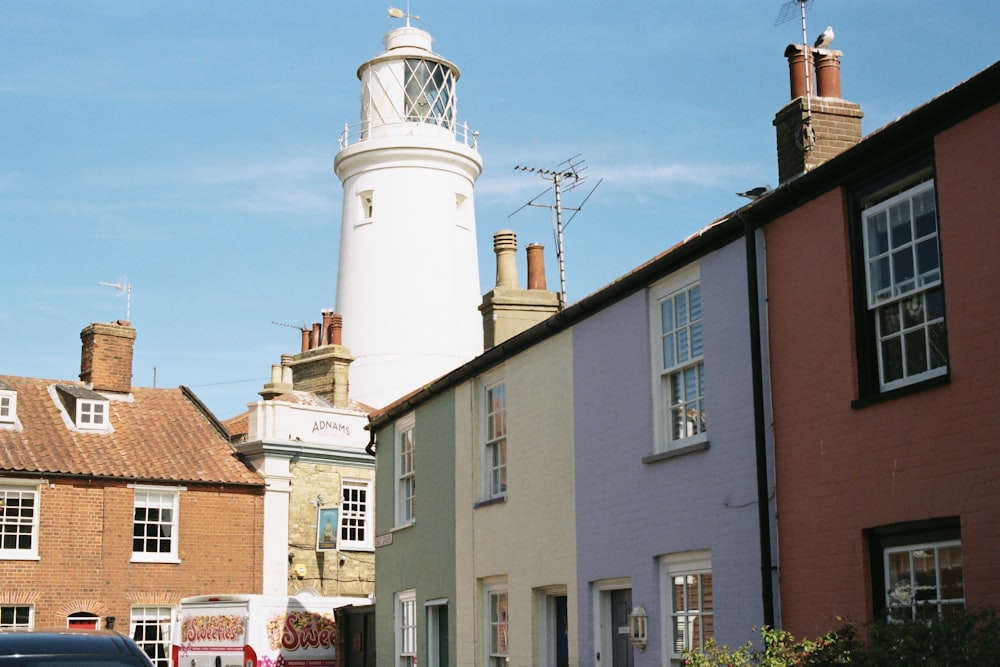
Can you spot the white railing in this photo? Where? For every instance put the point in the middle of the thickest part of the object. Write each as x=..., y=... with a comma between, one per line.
x=359, y=132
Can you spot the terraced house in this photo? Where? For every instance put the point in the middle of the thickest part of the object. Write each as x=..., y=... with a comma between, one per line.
x=117, y=501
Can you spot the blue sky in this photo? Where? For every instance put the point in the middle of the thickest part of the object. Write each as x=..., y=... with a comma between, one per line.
x=187, y=147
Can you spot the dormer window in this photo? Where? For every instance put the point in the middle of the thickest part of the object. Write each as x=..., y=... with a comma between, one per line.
x=86, y=408
x=8, y=404
x=91, y=414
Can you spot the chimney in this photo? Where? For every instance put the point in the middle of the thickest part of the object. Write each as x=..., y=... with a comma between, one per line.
x=106, y=358
x=322, y=367
x=281, y=379
x=811, y=129
x=507, y=309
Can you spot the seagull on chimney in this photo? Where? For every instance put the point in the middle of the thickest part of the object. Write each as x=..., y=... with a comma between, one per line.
x=825, y=38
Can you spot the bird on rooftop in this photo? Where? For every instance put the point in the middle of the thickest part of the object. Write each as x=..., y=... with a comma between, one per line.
x=825, y=38
x=755, y=193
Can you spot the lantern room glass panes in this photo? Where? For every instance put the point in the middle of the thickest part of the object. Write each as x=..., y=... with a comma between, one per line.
x=428, y=93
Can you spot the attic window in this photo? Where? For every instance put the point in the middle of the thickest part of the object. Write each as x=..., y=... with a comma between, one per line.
x=88, y=409
x=8, y=404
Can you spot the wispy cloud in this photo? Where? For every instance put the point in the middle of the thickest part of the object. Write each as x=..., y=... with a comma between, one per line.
x=662, y=177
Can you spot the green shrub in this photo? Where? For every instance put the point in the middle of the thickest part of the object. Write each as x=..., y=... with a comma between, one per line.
x=955, y=639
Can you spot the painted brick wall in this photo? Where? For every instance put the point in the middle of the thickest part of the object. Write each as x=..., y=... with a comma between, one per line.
x=629, y=513
x=930, y=454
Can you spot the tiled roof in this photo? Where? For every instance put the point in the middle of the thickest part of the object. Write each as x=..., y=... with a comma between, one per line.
x=156, y=435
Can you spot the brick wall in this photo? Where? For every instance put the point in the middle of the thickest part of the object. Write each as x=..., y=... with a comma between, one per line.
x=106, y=358
x=85, y=545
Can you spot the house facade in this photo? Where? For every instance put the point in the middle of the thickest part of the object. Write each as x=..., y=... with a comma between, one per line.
x=553, y=459
x=118, y=501
x=667, y=452
x=883, y=315
x=309, y=442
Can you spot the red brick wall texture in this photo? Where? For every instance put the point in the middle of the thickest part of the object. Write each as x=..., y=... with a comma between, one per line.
x=934, y=453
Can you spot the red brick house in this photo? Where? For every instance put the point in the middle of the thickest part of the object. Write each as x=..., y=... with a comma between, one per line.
x=883, y=319
x=117, y=501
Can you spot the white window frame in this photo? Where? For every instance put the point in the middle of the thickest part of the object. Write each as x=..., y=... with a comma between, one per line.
x=148, y=616
x=8, y=407
x=405, y=628
x=9, y=610
x=356, y=515
x=157, y=498
x=92, y=415
x=912, y=306
x=405, y=471
x=496, y=626
x=494, y=439
x=688, y=362
x=684, y=565
x=910, y=607
x=9, y=489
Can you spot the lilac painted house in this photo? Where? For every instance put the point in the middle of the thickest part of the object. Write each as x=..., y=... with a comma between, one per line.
x=673, y=448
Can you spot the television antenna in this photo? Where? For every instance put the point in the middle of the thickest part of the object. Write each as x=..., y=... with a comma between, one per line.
x=300, y=327
x=125, y=288
x=787, y=12
x=570, y=172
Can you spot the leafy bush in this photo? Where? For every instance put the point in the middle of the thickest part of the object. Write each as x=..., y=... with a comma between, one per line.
x=955, y=639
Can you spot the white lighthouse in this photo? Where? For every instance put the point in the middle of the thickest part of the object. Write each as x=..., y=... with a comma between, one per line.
x=408, y=276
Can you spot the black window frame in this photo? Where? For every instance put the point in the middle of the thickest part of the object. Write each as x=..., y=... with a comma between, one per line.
x=940, y=529
x=885, y=183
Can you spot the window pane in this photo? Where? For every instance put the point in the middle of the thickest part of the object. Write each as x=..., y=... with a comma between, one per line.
x=924, y=213
x=899, y=224
x=928, y=261
x=878, y=234
x=696, y=350
x=892, y=359
x=902, y=270
x=916, y=352
x=683, y=346
x=669, y=357
x=938, y=340
x=667, y=315
x=913, y=311
x=952, y=578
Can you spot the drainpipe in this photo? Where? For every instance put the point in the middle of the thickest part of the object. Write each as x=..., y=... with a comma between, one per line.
x=759, y=427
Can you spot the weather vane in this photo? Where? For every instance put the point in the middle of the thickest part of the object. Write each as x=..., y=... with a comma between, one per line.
x=396, y=13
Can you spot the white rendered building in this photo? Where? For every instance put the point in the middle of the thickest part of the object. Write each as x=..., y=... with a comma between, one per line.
x=408, y=276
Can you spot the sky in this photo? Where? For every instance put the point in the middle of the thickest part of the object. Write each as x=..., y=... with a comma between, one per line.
x=186, y=148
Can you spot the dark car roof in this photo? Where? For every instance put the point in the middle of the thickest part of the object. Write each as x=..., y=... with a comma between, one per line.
x=92, y=647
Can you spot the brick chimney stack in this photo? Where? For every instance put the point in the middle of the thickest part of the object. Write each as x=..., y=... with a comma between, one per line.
x=507, y=309
x=813, y=128
x=322, y=365
x=106, y=358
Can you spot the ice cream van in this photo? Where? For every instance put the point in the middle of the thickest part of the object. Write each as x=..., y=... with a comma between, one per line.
x=258, y=630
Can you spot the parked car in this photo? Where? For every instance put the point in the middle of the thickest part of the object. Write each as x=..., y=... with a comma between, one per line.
x=58, y=648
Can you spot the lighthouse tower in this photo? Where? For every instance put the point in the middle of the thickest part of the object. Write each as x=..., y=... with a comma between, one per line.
x=408, y=276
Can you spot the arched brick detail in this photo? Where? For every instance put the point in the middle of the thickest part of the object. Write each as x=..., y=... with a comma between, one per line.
x=18, y=597
x=95, y=607
x=154, y=599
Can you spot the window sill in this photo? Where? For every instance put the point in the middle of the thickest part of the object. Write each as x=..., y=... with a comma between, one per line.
x=170, y=560
x=17, y=556
x=358, y=548
x=674, y=453
x=499, y=500
x=892, y=394
x=403, y=526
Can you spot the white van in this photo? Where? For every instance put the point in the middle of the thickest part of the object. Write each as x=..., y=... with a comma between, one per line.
x=258, y=630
